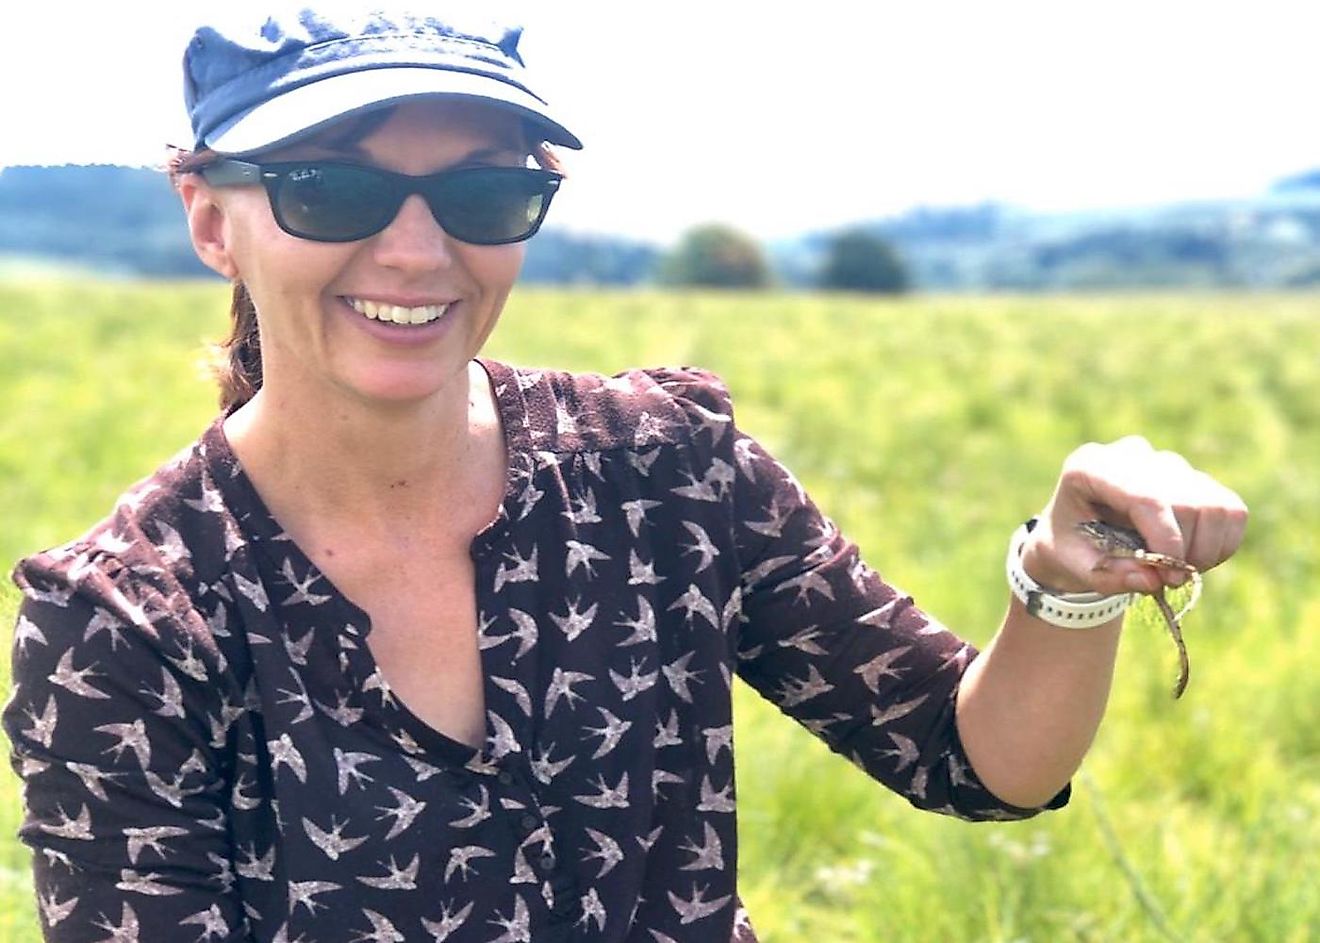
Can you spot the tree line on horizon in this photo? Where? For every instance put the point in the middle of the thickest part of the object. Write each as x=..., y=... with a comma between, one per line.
x=126, y=221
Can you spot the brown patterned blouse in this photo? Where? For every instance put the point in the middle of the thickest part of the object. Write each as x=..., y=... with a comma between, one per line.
x=210, y=753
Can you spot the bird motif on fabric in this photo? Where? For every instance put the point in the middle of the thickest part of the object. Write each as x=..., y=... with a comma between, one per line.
x=449, y=921
x=75, y=679
x=53, y=910
x=696, y=907
x=404, y=812
x=460, y=860
x=643, y=627
x=606, y=849
x=635, y=682
x=304, y=893
x=170, y=696
x=26, y=632
x=709, y=855
x=332, y=842
x=150, y=837
x=610, y=733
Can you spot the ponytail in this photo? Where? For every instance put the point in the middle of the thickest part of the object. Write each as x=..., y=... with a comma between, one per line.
x=237, y=365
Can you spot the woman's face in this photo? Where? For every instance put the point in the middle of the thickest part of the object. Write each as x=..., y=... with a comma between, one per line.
x=314, y=299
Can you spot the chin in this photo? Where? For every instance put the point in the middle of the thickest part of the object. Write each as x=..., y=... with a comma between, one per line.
x=396, y=387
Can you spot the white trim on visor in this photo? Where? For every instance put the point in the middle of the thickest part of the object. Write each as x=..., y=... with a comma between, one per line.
x=307, y=108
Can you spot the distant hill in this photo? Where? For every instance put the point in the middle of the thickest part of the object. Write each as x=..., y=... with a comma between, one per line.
x=1272, y=242
x=1310, y=180
x=128, y=221
x=123, y=220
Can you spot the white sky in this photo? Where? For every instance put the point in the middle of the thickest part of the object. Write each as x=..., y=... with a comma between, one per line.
x=782, y=117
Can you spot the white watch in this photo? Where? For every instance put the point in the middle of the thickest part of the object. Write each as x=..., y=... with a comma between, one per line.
x=1066, y=610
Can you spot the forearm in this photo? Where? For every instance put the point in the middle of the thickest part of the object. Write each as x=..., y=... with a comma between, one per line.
x=1030, y=704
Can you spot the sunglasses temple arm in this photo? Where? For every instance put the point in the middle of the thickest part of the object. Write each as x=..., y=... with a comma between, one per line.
x=232, y=173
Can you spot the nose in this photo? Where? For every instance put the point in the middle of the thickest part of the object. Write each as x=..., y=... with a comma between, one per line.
x=413, y=240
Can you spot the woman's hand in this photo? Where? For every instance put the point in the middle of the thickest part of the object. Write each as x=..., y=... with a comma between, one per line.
x=1179, y=511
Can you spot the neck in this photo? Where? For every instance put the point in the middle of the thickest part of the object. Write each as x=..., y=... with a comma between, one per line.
x=325, y=462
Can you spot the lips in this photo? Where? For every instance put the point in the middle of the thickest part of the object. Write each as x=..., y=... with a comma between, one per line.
x=397, y=314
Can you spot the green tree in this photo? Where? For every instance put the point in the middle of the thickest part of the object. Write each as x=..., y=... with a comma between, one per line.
x=718, y=256
x=857, y=260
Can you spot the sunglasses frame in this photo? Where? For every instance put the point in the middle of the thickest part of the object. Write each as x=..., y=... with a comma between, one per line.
x=272, y=176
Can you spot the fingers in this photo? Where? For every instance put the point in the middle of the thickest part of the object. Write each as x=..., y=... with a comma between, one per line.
x=1178, y=510
x=1215, y=525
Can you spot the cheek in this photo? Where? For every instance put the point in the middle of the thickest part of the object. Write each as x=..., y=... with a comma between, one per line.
x=247, y=213
x=270, y=261
x=253, y=237
x=495, y=267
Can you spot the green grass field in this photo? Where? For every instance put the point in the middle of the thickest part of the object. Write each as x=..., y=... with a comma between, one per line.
x=929, y=427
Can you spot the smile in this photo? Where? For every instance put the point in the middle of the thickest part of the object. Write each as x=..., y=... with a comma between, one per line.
x=423, y=314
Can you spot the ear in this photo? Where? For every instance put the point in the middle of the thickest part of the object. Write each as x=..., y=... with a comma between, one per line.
x=208, y=224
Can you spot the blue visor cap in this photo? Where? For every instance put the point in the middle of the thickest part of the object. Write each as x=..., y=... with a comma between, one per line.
x=249, y=90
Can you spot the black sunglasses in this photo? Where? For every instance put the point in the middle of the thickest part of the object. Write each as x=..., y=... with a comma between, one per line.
x=332, y=202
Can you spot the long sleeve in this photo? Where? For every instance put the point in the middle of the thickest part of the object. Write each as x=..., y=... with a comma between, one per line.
x=835, y=646
x=111, y=724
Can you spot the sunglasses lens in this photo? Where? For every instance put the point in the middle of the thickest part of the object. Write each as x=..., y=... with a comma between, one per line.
x=492, y=205
x=334, y=202
x=330, y=202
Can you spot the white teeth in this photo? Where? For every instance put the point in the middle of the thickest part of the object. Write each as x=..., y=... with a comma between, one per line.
x=395, y=313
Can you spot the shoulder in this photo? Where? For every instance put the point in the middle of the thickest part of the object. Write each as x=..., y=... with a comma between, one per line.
x=142, y=566
x=636, y=408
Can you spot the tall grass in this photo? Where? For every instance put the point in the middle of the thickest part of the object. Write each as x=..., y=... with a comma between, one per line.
x=929, y=428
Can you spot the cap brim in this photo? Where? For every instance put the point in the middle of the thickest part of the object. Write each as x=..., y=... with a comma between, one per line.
x=308, y=108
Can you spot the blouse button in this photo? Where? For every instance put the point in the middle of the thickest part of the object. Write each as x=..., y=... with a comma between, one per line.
x=506, y=778
x=529, y=822
x=547, y=862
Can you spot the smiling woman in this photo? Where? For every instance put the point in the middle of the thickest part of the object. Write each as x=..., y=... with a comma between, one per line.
x=404, y=618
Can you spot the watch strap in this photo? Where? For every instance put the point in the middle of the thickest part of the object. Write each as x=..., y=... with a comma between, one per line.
x=1065, y=610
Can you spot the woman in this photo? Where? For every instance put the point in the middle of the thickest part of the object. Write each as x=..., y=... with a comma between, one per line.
x=412, y=645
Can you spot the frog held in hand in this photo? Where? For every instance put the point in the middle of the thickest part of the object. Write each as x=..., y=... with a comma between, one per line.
x=1115, y=542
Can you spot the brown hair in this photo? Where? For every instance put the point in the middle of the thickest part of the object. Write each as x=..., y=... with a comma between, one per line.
x=235, y=362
